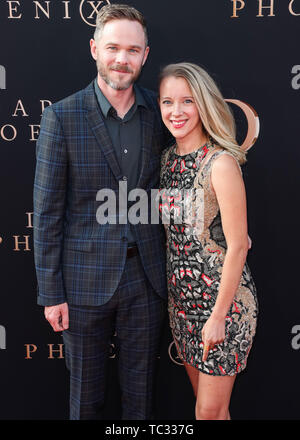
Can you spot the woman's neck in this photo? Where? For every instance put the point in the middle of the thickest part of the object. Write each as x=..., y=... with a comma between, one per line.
x=186, y=146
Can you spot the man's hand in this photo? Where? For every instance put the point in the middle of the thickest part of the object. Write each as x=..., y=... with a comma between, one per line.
x=58, y=316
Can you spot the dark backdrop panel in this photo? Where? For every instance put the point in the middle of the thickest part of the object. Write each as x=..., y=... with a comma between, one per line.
x=253, y=55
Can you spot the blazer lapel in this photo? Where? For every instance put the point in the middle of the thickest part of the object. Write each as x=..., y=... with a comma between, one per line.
x=147, y=122
x=96, y=122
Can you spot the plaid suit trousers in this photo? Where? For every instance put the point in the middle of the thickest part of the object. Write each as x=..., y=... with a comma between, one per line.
x=135, y=312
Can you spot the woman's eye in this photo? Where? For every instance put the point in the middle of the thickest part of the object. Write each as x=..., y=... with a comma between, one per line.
x=188, y=101
x=166, y=101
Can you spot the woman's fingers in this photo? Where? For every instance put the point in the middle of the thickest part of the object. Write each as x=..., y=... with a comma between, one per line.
x=206, y=345
x=209, y=344
x=206, y=348
x=210, y=338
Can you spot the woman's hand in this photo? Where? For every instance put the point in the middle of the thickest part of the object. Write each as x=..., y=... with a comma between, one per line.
x=212, y=333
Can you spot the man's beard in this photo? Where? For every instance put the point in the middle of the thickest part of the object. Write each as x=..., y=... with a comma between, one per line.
x=117, y=85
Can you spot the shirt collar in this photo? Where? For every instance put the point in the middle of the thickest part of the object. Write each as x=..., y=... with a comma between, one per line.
x=105, y=105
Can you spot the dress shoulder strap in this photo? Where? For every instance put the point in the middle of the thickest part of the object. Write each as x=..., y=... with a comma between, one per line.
x=216, y=152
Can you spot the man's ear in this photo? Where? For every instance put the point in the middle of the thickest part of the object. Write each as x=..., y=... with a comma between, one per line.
x=93, y=48
x=147, y=50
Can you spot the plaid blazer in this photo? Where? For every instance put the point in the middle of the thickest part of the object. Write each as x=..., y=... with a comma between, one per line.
x=78, y=260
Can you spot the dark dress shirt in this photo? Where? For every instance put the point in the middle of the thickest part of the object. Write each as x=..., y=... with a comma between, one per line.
x=125, y=135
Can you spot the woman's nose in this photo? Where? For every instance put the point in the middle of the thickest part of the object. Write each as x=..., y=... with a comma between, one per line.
x=177, y=109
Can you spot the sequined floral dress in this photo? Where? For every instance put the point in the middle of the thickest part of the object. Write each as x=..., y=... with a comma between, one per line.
x=196, y=249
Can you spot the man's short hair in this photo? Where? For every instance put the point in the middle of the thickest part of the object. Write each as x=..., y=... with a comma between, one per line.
x=118, y=12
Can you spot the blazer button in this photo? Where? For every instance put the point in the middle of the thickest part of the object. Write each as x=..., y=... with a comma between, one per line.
x=124, y=178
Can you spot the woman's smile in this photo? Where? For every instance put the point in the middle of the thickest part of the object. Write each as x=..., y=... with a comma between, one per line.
x=178, y=124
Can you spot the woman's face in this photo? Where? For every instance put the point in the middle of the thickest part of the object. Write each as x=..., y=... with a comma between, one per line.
x=178, y=108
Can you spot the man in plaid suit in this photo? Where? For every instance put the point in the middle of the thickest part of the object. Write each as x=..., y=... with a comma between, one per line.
x=95, y=279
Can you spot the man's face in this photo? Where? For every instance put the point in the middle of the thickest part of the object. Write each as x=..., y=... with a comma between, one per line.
x=120, y=52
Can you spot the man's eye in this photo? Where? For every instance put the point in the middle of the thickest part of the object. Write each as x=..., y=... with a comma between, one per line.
x=133, y=50
x=111, y=47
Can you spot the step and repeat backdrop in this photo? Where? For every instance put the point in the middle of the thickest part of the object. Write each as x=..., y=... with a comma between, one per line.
x=251, y=48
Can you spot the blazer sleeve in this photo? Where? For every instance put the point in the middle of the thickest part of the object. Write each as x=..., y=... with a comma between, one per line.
x=49, y=198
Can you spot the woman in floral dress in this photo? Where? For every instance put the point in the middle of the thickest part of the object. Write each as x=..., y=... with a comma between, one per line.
x=212, y=297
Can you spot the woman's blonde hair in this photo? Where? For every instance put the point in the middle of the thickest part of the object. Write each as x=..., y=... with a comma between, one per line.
x=215, y=114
